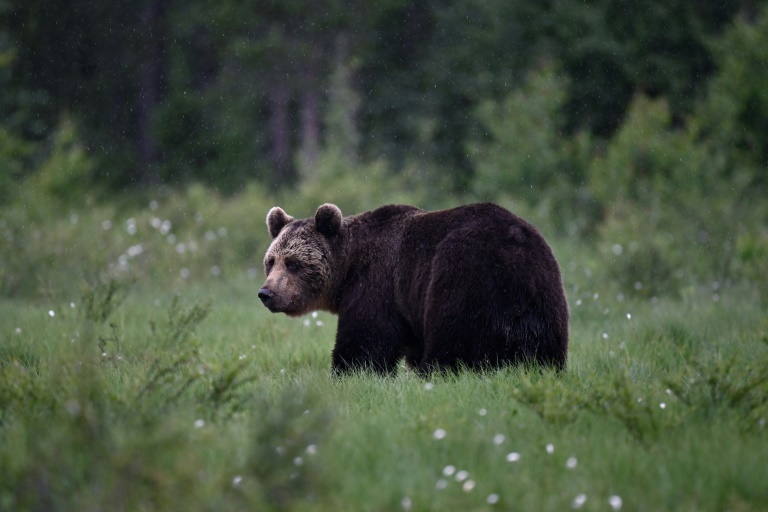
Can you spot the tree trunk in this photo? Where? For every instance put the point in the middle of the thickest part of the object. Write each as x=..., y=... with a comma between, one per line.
x=279, y=131
x=310, y=114
x=151, y=84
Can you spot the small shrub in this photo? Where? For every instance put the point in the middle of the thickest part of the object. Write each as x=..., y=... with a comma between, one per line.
x=526, y=156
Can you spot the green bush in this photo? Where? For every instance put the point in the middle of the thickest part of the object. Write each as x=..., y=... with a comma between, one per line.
x=65, y=178
x=354, y=188
x=525, y=156
x=14, y=153
x=172, y=238
x=672, y=204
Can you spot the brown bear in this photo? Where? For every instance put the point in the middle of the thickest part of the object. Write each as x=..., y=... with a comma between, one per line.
x=474, y=286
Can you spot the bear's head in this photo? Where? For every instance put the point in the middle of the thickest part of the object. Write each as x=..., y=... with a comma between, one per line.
x=299, y=263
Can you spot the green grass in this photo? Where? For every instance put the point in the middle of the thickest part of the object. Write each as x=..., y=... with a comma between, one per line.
x=207, y=402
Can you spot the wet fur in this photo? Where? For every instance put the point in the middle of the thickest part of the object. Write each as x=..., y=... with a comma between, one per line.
x=473, y=286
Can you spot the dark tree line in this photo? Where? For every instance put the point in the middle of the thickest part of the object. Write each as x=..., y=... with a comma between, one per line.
x=226, y=92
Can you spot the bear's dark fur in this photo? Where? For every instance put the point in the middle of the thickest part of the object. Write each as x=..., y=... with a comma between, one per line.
x=473, y=286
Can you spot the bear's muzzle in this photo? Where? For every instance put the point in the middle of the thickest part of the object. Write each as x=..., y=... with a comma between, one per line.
x=267, y=297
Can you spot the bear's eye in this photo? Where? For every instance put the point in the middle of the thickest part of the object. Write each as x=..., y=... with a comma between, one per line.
x=292, y=266
x=270, y=264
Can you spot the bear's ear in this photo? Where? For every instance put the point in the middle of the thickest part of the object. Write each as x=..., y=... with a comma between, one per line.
x=328, y=219
x=276, y=220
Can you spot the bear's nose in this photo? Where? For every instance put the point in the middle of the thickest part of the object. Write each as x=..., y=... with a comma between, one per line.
x=265, y=294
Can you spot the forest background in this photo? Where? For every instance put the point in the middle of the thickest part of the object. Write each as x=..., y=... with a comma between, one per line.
x=637, y=130
x=142, y=144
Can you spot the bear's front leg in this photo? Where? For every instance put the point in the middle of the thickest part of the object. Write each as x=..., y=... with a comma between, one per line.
x=362, y=344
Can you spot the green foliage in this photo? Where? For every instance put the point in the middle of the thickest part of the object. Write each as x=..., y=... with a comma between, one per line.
x=526, y=156
x=193, y=103
x=648, y=180
x=735, y=112
x=727, y=382
x=172, y=237
x=64, y=179
x=282, y=462
x=669, y=221
x=181, y=324
x=100, y=298
x=338, y=176
x=255, y=421
x=14, y=152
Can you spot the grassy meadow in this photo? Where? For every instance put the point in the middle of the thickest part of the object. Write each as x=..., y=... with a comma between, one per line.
x=120, y=395
x=141, y=149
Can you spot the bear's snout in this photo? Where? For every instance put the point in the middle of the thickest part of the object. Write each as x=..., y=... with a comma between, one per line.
x=266, y=295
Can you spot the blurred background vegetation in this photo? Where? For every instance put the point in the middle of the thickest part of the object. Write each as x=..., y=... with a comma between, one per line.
x=148, y=139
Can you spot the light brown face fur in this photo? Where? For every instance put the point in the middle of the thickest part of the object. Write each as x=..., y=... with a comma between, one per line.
x=298, y=270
